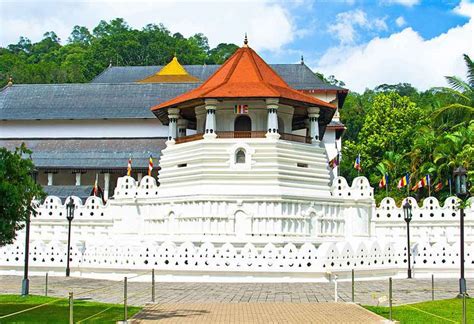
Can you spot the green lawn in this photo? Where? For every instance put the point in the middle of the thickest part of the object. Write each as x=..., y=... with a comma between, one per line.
x=58, y=312
x=449, y=309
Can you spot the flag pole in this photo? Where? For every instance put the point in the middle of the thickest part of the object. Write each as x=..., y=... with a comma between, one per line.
x=386, y=185
x=450, y=191
x=429, y=186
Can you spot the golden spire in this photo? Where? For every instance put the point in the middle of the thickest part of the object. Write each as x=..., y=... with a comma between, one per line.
x=171, y=72
x=246, y=41
x=10, y=81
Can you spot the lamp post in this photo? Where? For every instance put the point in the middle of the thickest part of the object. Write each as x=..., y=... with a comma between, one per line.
x=407, y=215
x=460, y=182
x=25, y=284
x=70, y=216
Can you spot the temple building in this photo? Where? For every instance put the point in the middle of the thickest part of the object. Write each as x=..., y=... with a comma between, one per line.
x=80, y=132
x=244, y=191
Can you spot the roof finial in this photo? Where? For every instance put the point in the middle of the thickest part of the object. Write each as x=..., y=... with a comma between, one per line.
x=10, y=81
x=302, y=60
x=110, y=63
x=246, y=41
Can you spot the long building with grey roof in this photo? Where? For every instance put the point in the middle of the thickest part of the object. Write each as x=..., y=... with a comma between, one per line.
x=82, y=132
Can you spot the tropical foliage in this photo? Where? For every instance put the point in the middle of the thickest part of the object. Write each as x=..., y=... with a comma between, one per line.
x=17, y=190
x=398, y=130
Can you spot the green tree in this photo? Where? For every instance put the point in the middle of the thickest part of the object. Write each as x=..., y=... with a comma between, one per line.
x=461, y=108
x=17, y=190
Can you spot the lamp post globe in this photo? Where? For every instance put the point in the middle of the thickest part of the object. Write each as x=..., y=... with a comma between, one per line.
x=407, y=215
x=70, y=208
x=460, y=184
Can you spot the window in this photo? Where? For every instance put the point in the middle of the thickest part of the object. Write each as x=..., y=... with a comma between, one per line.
x=240, y=156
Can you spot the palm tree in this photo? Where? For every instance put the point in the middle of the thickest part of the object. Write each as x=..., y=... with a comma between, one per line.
x=461, y=108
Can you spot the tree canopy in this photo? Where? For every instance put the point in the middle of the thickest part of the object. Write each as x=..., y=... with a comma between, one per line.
x=17, y=190
x=87, y=53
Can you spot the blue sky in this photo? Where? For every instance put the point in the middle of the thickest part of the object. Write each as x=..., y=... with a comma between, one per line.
x=362, y=42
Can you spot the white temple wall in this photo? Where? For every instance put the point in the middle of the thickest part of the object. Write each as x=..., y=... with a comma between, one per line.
x=228, y=239
x=110, y=128
x=272, y=168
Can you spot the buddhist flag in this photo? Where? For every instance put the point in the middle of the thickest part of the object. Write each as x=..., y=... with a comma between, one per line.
x=334, y=162
x=403, y=181
x=95, y=191
x=129, y=166
x=150, y=166
x=383, y=181
x=357, y=164
x=438, y=187
x=241, y=109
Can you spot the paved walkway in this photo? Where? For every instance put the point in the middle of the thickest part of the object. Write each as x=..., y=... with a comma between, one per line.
x=340, y=313
x=139, y=293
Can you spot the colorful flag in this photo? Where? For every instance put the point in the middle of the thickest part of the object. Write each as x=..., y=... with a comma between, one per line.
x=241, y=109
x=357, y=164
x=403, y=181
x=438, y=187
x=129, y=166
x=150, y=166
x=334, y=162
x=383, y=181
x=422, y=183
x=415, y=187
x=95, y=191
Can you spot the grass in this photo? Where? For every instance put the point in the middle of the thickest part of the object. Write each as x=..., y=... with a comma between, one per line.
x=58, y=312
x=441, y=311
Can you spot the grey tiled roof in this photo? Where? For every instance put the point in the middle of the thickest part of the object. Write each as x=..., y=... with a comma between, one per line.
x=298, y=76
x=63, y=192
x=90, y=153
x=85, y=101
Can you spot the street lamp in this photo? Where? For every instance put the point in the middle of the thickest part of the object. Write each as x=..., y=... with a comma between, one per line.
x=25, y=284
x=70, y=216
x=460, y=182
x=408, y=216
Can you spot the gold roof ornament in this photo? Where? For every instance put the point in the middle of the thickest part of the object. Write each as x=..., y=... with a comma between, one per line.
x=173, y=72
x=10, y=81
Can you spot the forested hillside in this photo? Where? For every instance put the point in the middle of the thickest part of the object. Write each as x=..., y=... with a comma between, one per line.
x=396, y=129
x=87, y=53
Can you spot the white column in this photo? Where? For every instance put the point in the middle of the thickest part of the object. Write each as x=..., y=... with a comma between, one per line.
x=182, y=125
x=313, y=114
x=50, y=178
x=106, y=185
x=173, y=115
x=210, y=131
x=139, y=176
x=78, y=179
x=272, y=119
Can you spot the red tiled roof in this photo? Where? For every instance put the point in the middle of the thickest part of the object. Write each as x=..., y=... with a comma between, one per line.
x=244, y=75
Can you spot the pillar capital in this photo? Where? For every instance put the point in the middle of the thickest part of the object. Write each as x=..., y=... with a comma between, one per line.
x=210, y=103
x=313, y=111
x=173, y=113
x=272, y=103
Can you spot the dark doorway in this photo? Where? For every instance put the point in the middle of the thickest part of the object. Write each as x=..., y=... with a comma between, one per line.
x=243, y=124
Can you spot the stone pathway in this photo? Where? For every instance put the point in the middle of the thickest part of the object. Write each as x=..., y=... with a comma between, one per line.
x=340, y=313
x=139, y=293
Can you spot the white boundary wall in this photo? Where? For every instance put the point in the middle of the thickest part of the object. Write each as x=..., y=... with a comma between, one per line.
x=125, y=236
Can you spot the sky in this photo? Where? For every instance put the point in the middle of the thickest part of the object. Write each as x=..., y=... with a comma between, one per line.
x=361, y=42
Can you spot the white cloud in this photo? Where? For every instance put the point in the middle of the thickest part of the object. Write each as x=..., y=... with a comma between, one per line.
x=347, y=23
x=400, y=21
x=403, y=57
x=465, y=8
x=406, y=3
x=268, y=23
